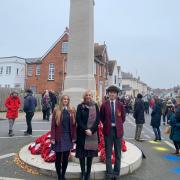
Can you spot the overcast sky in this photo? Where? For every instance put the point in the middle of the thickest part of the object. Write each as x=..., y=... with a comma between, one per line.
x=142, y=35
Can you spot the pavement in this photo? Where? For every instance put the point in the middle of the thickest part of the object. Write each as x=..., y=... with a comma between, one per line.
x=159, y=164
x=131, y=161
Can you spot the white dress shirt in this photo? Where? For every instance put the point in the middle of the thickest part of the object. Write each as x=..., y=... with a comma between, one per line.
x=114, y=101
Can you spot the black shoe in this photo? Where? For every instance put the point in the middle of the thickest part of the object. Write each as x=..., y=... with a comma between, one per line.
x=27, y=134
x=11, y=133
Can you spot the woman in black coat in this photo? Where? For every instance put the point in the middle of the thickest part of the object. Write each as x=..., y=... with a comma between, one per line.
x=156, y=120
x=87, y=136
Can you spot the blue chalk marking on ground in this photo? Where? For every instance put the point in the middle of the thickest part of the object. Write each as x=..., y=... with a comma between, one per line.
x=172, y=158
x=176, y=170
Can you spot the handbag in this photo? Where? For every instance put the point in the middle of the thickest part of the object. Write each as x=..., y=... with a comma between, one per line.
x=167, y=130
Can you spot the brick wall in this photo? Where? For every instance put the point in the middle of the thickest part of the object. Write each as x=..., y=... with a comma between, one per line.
x=41, y=82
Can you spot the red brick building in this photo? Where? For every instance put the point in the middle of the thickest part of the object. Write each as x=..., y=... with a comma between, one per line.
x=49, y=71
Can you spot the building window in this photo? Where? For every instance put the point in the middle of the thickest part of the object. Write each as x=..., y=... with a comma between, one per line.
x=95, y=70
x=7, y=86
x=38, y=70
x=1, y=70
x=17, y=85
x=115, y=80
x=8, y=70
x=30, y=70
x=17, y=71
x=51, y=72
x=64, y=47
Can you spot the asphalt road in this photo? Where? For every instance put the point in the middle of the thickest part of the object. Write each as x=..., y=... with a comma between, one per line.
x=159, y=164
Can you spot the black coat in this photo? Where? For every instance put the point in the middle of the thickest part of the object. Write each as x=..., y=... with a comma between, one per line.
x=139, y=111
x=156, y=116
x=82, y=118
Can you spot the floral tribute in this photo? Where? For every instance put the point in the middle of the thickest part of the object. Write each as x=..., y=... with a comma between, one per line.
x=42, y=146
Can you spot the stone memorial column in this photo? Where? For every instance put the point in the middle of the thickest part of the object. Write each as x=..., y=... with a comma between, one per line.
x=80, y=72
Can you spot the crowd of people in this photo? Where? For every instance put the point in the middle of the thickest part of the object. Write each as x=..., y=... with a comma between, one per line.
x=79, y=125
x=13, y=104
x=69, y=126
x=166, y=109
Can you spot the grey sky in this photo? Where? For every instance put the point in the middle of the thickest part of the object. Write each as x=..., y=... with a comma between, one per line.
x=143, y=35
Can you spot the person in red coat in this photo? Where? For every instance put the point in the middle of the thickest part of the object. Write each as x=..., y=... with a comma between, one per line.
x=112, y=115
x=12, y=104
x=63, y=133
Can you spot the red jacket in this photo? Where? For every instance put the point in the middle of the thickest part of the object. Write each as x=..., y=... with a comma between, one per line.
x=12, y=104
x=56, y=131
x=105, y=117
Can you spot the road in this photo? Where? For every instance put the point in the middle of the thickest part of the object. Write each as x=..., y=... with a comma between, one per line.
x=159, y=164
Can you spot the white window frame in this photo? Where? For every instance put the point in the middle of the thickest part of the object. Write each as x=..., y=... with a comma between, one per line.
x=64, y=47
x=29, y=70
x=51, y=72
x=8, y=70
x=38, y=70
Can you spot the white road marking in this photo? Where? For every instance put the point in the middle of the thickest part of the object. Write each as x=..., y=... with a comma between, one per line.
x=40, y=130
x=169, y=144
x=7, y=155
x=13, y=137
x=7, y=178
x=147, y=136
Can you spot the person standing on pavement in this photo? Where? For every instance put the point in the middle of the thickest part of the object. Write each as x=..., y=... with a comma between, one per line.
x=87, y=137
x=146, y=106
x=30, y=104
x=156, y=119
x=164, y=107
x=12, y=103
x=175, y=126
x=63, y=128
x=46, y=105
x=53, y=99
x=112, y=116
x=139, y=116
x=168, y=112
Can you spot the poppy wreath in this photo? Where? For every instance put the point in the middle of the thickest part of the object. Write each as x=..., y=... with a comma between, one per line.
x=42, y=146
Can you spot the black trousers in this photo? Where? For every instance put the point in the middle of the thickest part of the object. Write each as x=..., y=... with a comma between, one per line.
x=86, y=168
x=29, y=116
x=61, y=163
x=111, y=140
x=46, y=114
x=177, y=145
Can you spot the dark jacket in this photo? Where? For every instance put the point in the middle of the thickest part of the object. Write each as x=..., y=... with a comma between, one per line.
x=177, y=112
x=82, y=119
x=139, y=111
x=56, y=130
x=53, y=99
x=105, y=117
x=30, y=103
x=175, y=128
x=156, y=116
x=46, y=104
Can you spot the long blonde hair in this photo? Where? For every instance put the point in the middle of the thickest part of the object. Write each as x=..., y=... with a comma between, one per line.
x=59, y=108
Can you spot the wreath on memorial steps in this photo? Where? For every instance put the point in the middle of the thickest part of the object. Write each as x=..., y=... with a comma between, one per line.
x=42, y=146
